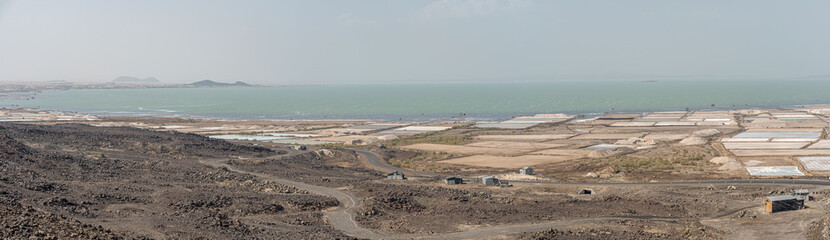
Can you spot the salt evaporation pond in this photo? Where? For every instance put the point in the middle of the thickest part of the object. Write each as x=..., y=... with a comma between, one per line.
x=778, y=135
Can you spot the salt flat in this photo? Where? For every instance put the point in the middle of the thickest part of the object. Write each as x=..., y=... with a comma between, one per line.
x=599, y=136
x=466, y=150
x=778, y=135
x=786, y=129
x=774, y=171
x=764, y=145
x=506, y=125
x=821, y=163
x=515, y=145
x=745, y=140
x=675, y=123
x=780, y=152
x=633, y=124
x=794, y=139
x=417, y=129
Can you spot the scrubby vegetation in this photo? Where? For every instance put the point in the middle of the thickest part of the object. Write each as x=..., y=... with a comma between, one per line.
x=423, y=162
x=628, y=163
x=430, y=137
x=334, y=145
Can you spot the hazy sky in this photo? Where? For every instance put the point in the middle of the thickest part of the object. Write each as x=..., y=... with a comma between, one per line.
x=285, y=42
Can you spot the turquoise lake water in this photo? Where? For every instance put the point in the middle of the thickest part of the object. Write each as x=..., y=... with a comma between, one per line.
x=413, y=102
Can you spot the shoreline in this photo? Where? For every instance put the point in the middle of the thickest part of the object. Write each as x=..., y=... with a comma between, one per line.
x=577, y=114
x=417, y=103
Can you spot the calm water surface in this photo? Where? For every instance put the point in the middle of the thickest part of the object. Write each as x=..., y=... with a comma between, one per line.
x=483, y=101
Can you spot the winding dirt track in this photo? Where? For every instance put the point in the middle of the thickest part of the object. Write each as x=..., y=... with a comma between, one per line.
x=342, y=217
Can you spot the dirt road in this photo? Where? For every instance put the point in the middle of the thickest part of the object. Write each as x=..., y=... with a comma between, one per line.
x=342, y=217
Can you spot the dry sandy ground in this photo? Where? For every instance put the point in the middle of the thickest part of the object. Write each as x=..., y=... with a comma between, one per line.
x=466, y=150
x=507, y=162
x=524, y=138
x=565, y=152
x=762, y=225
x=593, y=136
x=515, y=145
x=665, y=136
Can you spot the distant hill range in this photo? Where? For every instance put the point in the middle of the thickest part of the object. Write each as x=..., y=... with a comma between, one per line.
x=210, y=83
x=127, y=79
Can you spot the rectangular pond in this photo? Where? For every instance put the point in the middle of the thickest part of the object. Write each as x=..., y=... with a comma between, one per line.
x=778, y=135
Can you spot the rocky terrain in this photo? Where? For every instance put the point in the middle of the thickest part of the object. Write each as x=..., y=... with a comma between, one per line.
x=78, y=181
x=62, y=181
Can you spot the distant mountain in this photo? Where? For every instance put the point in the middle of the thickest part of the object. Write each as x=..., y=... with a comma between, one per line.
x=127, y=79
x=211, y=83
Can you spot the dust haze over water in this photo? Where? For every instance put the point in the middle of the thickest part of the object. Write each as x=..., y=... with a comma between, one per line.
x=333, y=42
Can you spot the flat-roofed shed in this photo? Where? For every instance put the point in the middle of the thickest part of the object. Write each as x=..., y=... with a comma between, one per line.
x=783, y=203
